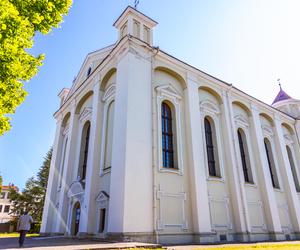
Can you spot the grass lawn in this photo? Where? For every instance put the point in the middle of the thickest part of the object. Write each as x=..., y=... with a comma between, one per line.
x=14, y=235
x=259, y=246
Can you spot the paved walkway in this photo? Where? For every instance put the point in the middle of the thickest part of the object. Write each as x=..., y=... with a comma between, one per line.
x=57, y=243
x=51, y=243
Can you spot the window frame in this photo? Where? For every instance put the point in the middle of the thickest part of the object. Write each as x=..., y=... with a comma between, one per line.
x=167, y=93
x=247, y=152
x=242, y=122
x=5, y=209
x=271, y=161
x=168, y=135
x=212, y=110
x=84, y=117
x=210, y=133
x=294, y=167
x=108, y=98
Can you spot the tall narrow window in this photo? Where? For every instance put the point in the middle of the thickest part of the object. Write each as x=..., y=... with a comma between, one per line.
x=245, y=156
x=85, y=150
x=293, y=168
x=102, y=220
x=167, y=136
x=136, y=28
x=210, y=148
x=109, y=136
x=271, y=164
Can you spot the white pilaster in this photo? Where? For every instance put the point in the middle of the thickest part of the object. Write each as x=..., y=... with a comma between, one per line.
x=236, y=182
x=61, y=218
x=199, y=193
x=88, y=212
x=130, y=209
x=287, y=176
x=50, y=206
x=269, y=200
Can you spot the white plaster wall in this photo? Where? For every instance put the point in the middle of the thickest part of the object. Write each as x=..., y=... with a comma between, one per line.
x=252, y=191
x=218, y=190
x=173, y=210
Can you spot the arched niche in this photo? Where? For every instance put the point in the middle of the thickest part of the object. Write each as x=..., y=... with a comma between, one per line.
x=266, y=119
x=165, y=75
x=66, y=119
x=207, y=93
x=108, y=79
x=242, y=106
x=82, y=101
x=288, y=128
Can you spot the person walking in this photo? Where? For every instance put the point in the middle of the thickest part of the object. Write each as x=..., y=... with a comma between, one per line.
x=23, y=227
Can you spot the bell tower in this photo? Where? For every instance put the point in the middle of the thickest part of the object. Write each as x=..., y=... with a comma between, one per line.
x=287, y=104
x=136, y=24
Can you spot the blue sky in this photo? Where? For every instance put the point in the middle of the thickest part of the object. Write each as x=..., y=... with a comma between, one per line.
x=249, y=43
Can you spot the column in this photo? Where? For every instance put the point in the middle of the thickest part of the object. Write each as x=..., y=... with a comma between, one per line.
x=62, y=213
x=296, y=137
x=236, y=183
x=88, y=213
x=131, y=188
x=269, y=199
x=49, y=206
x=287, y=176
x=198, y=192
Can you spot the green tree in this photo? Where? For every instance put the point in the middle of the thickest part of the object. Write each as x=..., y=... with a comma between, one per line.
x=33, y=196
x=19, y=22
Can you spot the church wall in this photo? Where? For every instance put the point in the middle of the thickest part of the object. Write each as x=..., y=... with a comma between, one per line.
x=87, y=105
x=218, y=189
x=281, y=199
x=252, y=190
x=173, y=209
x=163, y=205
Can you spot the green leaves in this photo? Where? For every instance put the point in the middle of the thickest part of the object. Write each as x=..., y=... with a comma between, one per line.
x=19, y=21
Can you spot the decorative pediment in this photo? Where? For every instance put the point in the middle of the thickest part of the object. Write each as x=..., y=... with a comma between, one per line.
x=267, y=130
x=75, y=189
x=102, y=199
x=241, y=120
x=102, y=196
x=168, y=91
x=288, y=139
x=109, y=92
x=208, y=106
x=86, y=112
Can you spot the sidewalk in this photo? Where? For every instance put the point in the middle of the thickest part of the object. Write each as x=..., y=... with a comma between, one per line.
x=57, y=243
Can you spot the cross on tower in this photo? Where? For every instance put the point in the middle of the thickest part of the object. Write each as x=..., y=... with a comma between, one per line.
x=279, y=83
x=136, y=3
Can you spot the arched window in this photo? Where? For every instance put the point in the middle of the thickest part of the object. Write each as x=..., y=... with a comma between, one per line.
x=211, y=150
x=244, y=153
x=84, y=150
x=167, y=136
x=89, y=71
x=109, y=136
x=293, y=168
x=271, y=163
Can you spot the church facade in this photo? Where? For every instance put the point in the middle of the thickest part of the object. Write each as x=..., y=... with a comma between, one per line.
x=152, y=149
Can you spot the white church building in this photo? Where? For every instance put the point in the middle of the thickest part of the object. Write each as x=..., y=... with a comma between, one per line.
x=150, y=148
